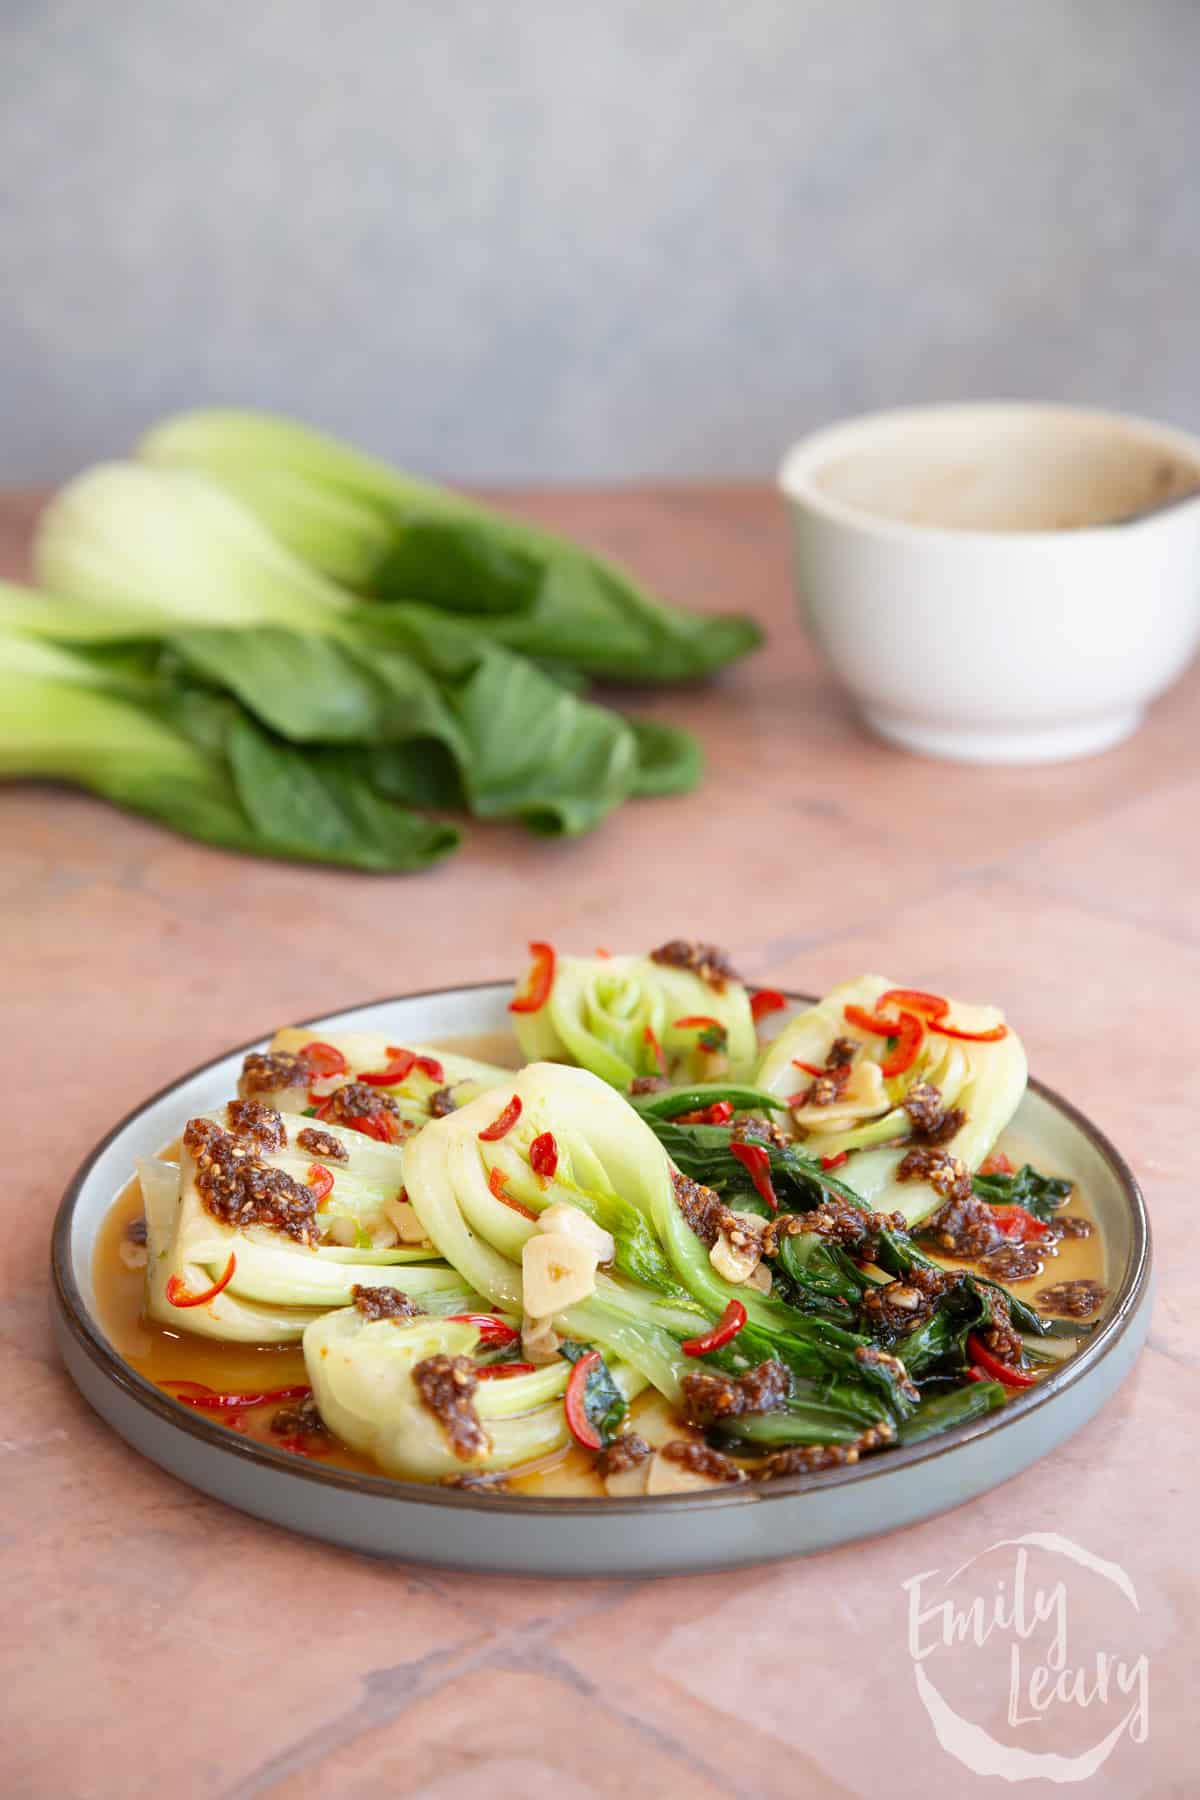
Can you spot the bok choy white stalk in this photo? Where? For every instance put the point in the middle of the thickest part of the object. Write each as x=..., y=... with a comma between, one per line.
x=277, y=1284
x=362, y=1379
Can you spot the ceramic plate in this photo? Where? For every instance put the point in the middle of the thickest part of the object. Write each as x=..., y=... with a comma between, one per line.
x=663, y=1535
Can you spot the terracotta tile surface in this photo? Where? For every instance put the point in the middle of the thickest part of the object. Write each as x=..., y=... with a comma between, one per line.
x=168, y=1645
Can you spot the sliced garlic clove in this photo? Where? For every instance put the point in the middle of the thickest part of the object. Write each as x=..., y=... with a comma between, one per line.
x=384, y=1235
x=865, y=1095
x=403, y=1215
x=556, y=1271
x=539, y=1340
x=760, y=1280
x=575, y=1223
x=343, y=1230
x=734, y=1264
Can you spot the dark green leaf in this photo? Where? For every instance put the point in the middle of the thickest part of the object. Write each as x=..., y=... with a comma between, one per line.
x=669, y=760
x=316, y=689
x=532, y=750
x=944, y=1411
x=670, y=1103
x=462, y=565
x=419, y=773
x=1040, y=1195
x=320, y=804
x=603, y=1401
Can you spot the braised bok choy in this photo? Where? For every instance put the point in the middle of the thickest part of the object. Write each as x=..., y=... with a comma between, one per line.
x=678, y=1256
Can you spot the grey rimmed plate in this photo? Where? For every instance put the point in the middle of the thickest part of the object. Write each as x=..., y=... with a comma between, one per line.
x=664, y=1535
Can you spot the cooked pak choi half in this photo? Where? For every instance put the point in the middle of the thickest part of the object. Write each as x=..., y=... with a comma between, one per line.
x=558, y=1204
x=376, y=1384
x=638, y=1017
x=880, y=1073
x=252, y=1235
x=300, y=1072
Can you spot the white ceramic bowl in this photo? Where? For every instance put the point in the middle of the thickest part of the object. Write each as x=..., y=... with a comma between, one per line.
x=961, y=570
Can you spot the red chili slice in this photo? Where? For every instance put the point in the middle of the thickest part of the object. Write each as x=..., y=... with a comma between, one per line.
x=320, y=1180
x=810, y=1068
x=1017, y=1223
x=719, y=1113
x=655, y=1048
x=491, y=1329
x=766, y=1000
x=606, y=954
x=932, y=1006
x=835, y=1162
x=543, y=1155
x=399, y=1068
x=323, y=1059
x=179, y=1294
x=696, y=1022
x=205, y=1398
x=725, y=1329
x=502, y=1123
x=580, y=1426
x=996, y=1164
x=757, y=1165
x=534, y=995
x=976, y=1374
x=910, y=1035
x=498, y=1371
x=500, y=1192
x=908, y=1030
x=991, y=1365
x=971, y=1037
x=866, y=1021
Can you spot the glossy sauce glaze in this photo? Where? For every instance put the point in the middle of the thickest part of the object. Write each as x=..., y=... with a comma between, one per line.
x=164, y=1356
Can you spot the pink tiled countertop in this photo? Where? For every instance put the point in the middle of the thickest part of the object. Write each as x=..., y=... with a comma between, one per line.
x=162, y=1644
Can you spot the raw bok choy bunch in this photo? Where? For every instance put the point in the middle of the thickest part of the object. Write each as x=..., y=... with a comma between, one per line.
x=625, y=1017
x=253, y=1235
x=436, y=666
x=389, y=536
x=418, y=706
x=912, y=1089
x=559, y=1208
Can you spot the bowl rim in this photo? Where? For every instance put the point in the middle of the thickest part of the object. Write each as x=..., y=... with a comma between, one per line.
x=89, y=1337
x=803, y=458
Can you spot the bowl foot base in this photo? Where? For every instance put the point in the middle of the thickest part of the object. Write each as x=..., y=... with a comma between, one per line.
x=1020, y=744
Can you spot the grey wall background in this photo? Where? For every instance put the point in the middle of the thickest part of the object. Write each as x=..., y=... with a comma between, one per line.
x=567, y=241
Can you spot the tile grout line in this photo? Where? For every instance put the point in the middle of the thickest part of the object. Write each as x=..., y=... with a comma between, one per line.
x=553, y=1662
x=390, y=1691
